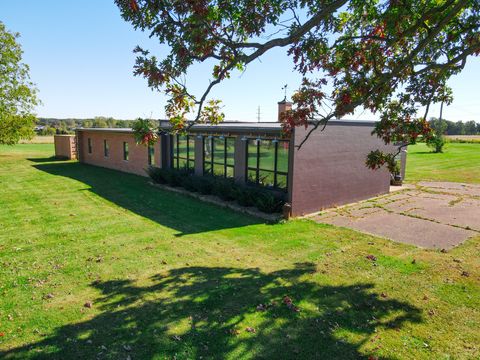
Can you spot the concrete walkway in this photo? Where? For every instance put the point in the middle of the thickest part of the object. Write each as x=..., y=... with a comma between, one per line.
x=431, y=214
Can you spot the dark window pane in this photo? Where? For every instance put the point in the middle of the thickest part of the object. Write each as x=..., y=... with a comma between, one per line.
x=207, y=149
x=219, y=150
x=191, y=164
x=229, y=171
x=106, y=149
x=230, y=151
x=182, y=163
x=191, y=147
x=151, y=155
x=182, y=146
x=218, y=170
x=267, y=155
x=282, y=181
x=125, y=151
x=207, y=169
x=282, y=162
x=266, y=178
x=251, y=176
x=252, y=153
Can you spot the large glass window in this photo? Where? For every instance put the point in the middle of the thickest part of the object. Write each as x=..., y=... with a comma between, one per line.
x=183, y=151
x=151, y=155
x=219, y=156
x=106, y=148
x=267, y=163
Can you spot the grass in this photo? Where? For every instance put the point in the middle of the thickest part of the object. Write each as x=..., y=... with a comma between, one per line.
x=458, y=163
x=97, y=264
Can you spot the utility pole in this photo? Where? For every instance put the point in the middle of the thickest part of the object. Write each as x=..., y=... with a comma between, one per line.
x=258, y=114
x=441, y=111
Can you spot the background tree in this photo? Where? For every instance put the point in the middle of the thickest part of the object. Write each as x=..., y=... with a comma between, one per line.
x=392, y=57
x=437, y=140
x=17, y=94
x=470, y=127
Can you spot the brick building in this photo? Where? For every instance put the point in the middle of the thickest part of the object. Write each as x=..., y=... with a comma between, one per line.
x=328, y=170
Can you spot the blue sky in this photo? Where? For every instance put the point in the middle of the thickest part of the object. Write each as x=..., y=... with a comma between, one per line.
x=80, y=57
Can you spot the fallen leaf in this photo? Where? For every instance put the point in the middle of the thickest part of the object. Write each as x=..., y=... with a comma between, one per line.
x=465, y=273
x=88, y=304
x=48, y=296
x=383, y=295
x=233, y=332
x=287, y=300
x=261, y=307
x=371, y=257
x=251, y=330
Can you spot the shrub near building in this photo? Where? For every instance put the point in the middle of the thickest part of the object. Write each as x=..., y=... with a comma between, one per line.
x=225, y=188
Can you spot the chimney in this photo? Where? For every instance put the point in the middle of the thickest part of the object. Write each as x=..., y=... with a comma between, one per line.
x=283, y=106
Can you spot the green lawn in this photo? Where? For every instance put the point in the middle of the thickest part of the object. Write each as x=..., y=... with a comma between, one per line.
x=458, y=163
x=167, y=277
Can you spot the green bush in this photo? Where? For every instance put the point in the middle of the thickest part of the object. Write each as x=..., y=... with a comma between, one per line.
x=225, y=188
x=174, y=177
x=156, y=174
x=245, y=195
x=171, y=177
x=436, y=143
x=269, y=202
x=203, y=184
x=188, y=182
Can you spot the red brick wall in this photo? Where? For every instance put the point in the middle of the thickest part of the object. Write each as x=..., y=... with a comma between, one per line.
x=65, y=146
x=329, y=169
x=138, y=154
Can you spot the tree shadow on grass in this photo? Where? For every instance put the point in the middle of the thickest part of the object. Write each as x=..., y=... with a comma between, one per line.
x=201, y=312
x=133, y=192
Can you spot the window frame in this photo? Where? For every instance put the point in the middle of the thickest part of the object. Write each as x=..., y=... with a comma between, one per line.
x=106, y=148
x=224, y=163
x=89, y=145
x=258, y=169
x=175, y=151
x=126, y=152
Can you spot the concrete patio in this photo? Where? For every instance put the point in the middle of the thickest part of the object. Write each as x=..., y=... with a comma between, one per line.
x=437, y=215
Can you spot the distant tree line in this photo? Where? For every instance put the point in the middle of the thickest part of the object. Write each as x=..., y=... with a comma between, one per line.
x=52, y=126
x=457, y=128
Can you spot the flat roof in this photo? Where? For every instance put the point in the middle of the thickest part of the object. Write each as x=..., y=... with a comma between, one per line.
x=236, y=126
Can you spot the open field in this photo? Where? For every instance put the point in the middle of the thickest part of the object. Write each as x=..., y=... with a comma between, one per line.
x=474, y=138
x=39, y=140
x=458, y=163
x=98, y=264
